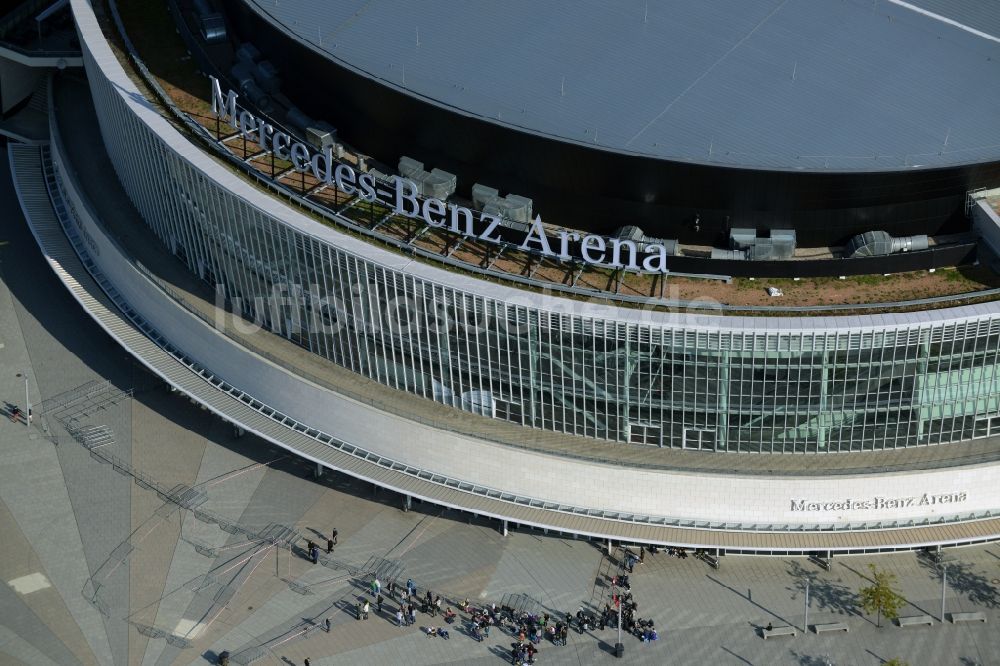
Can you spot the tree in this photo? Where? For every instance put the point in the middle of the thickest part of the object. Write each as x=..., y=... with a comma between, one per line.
x=880, y=597
x=895, y=661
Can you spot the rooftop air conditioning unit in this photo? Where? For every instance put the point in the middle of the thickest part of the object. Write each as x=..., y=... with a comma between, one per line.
x=213, y=28
x=519, y=208
x=267, y=76
x=319, y=138
x=731, y=255
x=411, y=168
x=247, y=53
x=298, y=119
x=741, y=239
x=242, y=74
x=483, y=195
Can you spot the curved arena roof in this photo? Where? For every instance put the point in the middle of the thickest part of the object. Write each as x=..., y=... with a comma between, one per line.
x=841, y=85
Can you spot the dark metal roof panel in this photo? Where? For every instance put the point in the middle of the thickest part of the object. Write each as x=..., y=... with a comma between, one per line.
x=811, y=84
x=981, y=15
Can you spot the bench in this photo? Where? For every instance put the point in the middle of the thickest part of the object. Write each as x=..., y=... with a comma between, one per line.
x=821, y=561
x=833, y=626
x=779, y=631
x=913, y=620
x=709, y=559
x=968, y=617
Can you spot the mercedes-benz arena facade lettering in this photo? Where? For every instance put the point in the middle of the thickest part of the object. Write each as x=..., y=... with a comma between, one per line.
x=631, y=424
x=404, y=200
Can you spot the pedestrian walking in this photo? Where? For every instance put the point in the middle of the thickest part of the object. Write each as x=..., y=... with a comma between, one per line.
x=306, y=662
x=329, y=546
x=314, y=553
x=333, y=536
x=327, y=625
x=411, y=588
x=378, y=602
x=399, y=617
x=412, y=614
x=365, y=609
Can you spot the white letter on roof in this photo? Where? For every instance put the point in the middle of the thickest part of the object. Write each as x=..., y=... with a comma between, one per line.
x=223, y=107
x=537, y=234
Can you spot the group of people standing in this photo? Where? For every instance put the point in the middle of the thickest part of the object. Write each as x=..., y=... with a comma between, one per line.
x=528, y=629
x=625, y=606
x=312, y=550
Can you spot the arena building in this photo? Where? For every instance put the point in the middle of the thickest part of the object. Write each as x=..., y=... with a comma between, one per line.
x=361, y=316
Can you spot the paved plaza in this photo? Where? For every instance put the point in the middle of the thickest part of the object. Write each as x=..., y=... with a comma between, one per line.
x=171, y=539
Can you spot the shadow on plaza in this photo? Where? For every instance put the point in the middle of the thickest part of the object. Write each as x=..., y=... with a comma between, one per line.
x=865, y=577
x=825, y=595
x=741, y=659
x=749, y=599
x=45, y=299
x=34, y=287
x=965, y=581
x=811, y=660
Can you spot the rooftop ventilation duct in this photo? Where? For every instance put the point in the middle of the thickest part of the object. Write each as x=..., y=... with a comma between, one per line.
x=512, y=208
x=213, y=26
x=267, y=77
x=322, y=135
x=298, y=119
x=762, y=250
x=247, y=53
x=741, y=239
x=780, y=244
x=880, y=243
x=635, y=234
x=436, y=183
x=242, y=73
x=730, y=255
x=482, y=195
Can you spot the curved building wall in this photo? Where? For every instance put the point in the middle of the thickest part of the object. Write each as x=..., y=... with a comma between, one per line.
x=718, y=383
x=600, y=190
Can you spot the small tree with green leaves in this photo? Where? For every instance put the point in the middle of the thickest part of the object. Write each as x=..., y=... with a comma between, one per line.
x=880, y=597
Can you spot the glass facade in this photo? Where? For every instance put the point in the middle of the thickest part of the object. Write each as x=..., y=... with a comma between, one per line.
x=724, y=389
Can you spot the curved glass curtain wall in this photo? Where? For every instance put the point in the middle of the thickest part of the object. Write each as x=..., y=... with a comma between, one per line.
x=724, y=390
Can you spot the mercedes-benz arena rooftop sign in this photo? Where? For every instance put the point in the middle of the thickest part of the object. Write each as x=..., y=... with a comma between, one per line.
x=829, y=118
